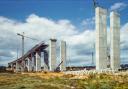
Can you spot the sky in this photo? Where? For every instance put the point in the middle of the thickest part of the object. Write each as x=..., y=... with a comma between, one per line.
x=69, y=20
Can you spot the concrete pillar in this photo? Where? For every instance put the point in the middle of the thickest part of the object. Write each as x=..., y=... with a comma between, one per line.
x=26, y=64
x=115, y=40
x=33, y=62
x=62, y=55
x=52, y=54
x=101, y=38
x=38, y=61
x=17, y=66
x=11, y=65
x=14, y=67
x=22, y=65
x=29, y=64
x=46, y=62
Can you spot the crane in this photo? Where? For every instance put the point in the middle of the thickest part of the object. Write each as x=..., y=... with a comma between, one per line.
x=95, y=3
x=23, y=36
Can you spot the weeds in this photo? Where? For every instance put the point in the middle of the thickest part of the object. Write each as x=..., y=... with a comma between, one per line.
x=92, y=81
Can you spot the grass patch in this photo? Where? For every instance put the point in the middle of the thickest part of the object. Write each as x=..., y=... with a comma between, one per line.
x=92, y=81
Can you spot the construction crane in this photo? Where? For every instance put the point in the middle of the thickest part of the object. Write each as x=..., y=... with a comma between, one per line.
x=23, y=36
x=95, y=3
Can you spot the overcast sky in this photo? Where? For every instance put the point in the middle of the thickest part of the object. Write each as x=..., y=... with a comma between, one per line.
x=69, y=20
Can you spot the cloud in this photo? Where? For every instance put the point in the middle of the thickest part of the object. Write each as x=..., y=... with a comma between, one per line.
x=4, y=54
x=124, y=36
x=89, y=23
x=118, y=6
x=80, y=45
x=43, y=29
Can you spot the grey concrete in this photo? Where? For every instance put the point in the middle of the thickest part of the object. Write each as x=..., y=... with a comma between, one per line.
x=63, y=55
x=46, y=62
x=52, y=54
x=26, y=64
x=33, y=63
x=115, y=40
x=29, y=64
x=22, y=65
x=38, y=61
x=17, y=66
x=101, y=38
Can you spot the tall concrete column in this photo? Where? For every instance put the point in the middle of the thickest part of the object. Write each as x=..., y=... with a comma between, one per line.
x=33, y=62
x=26, y=65
x=38, y=61
x=29, y=64
x=17, y=66
x=62, y=55
x=22, y=65
x=115, y=40
x=52, y=54
x=101, y=38
x=46, y=62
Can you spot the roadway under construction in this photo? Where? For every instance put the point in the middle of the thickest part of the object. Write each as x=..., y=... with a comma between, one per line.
x=31, y=61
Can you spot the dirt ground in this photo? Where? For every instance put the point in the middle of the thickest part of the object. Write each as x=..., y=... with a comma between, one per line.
x=47, y=80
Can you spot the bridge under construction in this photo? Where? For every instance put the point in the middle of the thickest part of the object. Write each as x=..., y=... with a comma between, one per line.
x=31, y=61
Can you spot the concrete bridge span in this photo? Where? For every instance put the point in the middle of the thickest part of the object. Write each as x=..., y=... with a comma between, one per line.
x=31, y=61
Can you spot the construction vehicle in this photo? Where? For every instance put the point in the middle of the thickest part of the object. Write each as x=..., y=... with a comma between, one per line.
x=57, y=69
